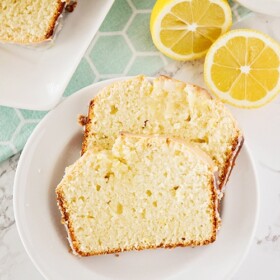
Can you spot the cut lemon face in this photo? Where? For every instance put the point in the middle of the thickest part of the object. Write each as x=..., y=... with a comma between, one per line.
x=185, y=29
x=242, y=68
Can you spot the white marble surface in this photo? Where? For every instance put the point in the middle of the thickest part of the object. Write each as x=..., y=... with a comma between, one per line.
x=262, y=132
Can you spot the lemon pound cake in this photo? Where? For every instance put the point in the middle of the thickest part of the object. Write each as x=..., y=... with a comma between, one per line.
x=27, y=21
x=164, y=106
x=147, y=192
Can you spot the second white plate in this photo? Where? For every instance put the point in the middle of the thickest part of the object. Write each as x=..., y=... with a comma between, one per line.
x=36, y=78
x=56, y=143
x=269, y=7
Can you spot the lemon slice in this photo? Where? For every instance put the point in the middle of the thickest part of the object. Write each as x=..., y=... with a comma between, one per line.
x=242, y=68
x=185, y=29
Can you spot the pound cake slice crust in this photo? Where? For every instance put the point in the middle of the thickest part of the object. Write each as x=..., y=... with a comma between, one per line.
x=27, y=22
x=164, y=106
x=148, y=192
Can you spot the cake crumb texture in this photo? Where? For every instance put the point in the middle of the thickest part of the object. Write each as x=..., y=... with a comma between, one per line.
x=164, y=106
x=147, y=192
x=28, y=21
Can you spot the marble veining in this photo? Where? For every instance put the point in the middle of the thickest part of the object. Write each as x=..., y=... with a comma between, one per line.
x=7, y=221
x=190, y=71
x=6, y=193
x=272, y=169
x=269, y=237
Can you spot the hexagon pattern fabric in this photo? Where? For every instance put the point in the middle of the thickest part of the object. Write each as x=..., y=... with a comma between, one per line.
x=122, y=46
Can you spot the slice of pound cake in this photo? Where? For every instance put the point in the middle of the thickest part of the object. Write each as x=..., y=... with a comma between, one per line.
x=164, y=106
x=147, y=192
x=26, y=21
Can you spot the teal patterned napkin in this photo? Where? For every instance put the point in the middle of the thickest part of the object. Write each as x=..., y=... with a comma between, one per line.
x=122, y=46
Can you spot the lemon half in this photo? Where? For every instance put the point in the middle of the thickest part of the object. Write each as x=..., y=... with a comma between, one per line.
x=242, y=68
x=185, y=29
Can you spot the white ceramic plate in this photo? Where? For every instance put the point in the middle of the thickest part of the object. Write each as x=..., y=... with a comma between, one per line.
x=56, y=143
x=269, y=7
x=36, y=78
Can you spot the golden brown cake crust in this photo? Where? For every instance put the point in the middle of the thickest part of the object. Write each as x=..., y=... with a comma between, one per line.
x=230, y=162
x=59, y=10
x=67, y=221
x=87, y=125
x=74, y=244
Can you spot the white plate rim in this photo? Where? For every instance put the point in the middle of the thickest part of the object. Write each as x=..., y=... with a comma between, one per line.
x=262, y=6
x=42, y=100
x=69, y=100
